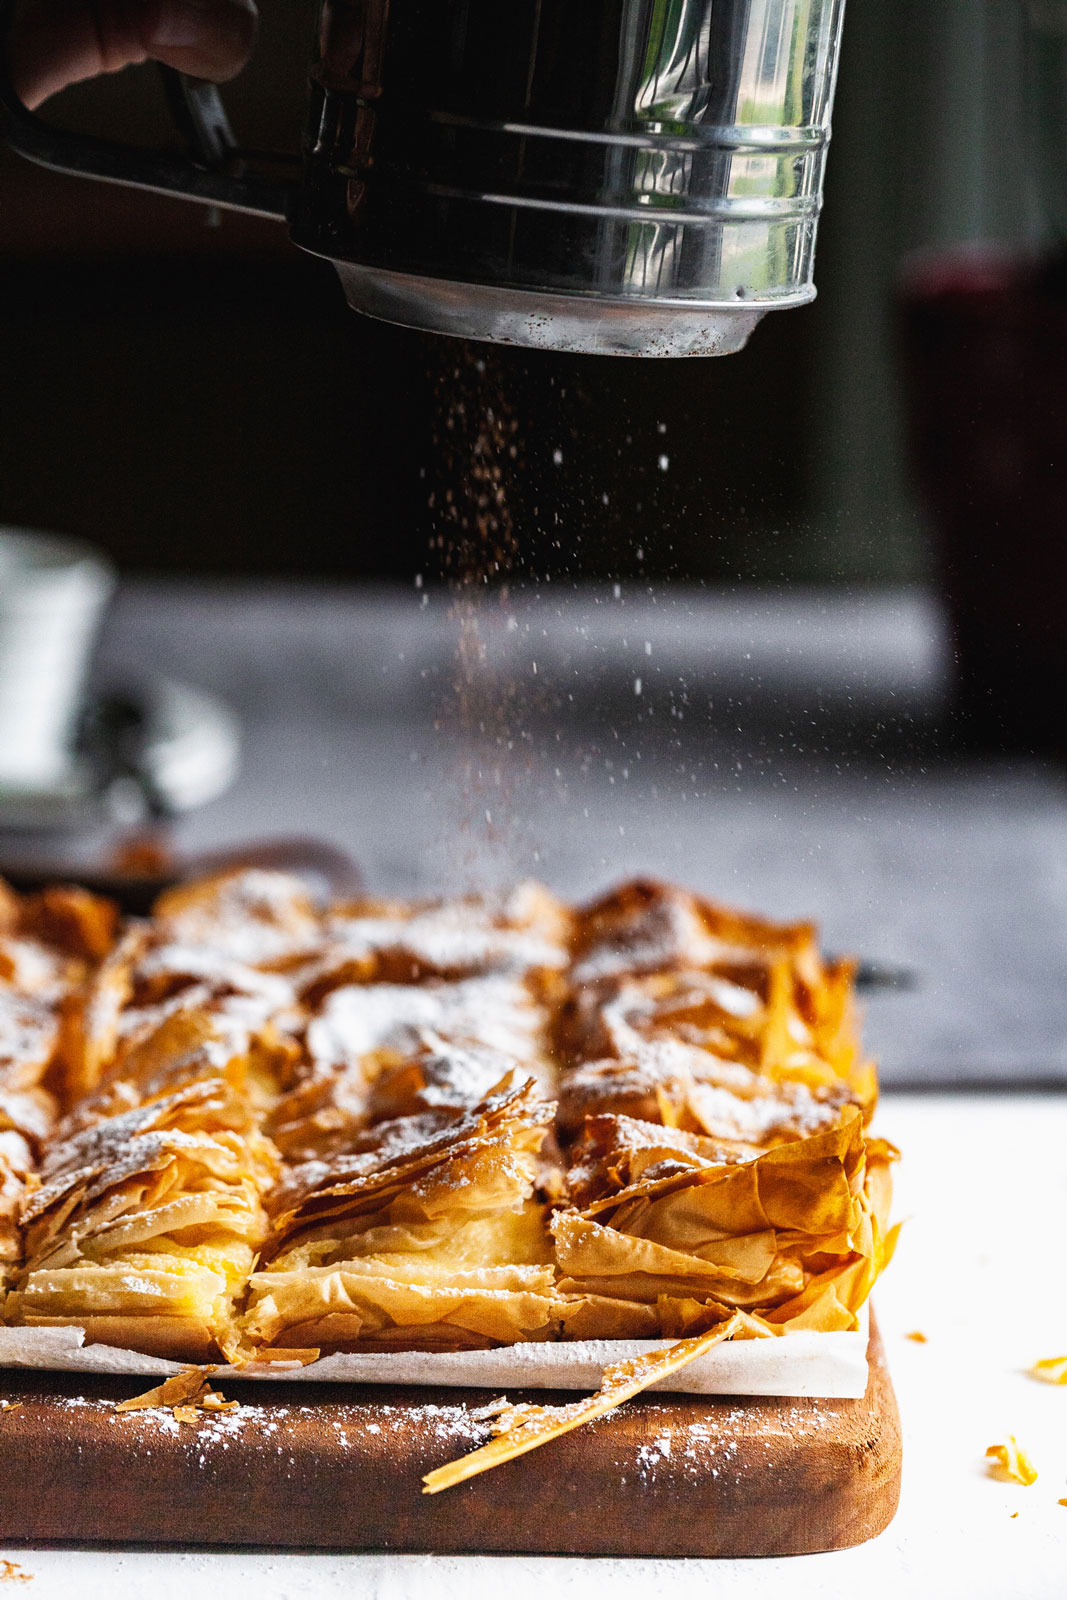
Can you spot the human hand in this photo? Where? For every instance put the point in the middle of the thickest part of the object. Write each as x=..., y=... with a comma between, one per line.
x=58, y=42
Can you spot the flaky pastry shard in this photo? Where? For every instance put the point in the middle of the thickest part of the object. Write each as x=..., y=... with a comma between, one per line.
x=523, y=1428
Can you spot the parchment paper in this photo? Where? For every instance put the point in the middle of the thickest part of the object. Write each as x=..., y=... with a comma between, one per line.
x=830, y=1366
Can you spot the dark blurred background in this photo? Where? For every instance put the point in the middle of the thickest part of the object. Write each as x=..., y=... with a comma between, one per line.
x=197, y=398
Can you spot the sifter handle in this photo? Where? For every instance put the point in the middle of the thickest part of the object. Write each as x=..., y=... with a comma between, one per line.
x=214, y=173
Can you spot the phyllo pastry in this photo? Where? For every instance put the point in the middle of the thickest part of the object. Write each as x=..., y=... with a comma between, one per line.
x=49, y=944
x=146, y=1226
x=671, y=1232
x=27, y=1118
x=363, y=1033
x=184, y=1048
x=260, y=918
x=18, y=1165
x=678, y=985
x=398, y=987
x=151, y=976
x=526, y=930
x=428, y=1234
x=15, y=1165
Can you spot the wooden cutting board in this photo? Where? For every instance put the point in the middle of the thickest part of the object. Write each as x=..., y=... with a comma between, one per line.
x=332, y=1466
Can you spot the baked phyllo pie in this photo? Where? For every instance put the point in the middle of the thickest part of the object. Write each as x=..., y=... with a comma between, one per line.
x=146, y=1226
x=441, y=1125
x=427, y=1235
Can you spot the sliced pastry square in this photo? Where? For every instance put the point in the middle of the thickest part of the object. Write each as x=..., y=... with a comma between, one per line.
x=428, y=1234
x=670, y=1231
x=146, y=1227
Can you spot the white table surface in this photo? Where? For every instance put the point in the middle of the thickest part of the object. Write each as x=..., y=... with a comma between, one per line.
x=979, y=1270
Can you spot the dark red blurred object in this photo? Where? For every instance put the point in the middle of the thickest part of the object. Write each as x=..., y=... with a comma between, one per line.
x=986, y=375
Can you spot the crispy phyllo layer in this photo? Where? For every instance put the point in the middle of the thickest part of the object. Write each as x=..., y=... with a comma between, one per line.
x=146, y=1226
x=373, y=1026
x=16, y=1181
x=263, y=919
x=428, y=1233
x=677, y=1231
x=381, y=1050
x=50, y=944
x=397, y=942
x=27, y=1118
x=147, y=985
x=657, y=966
x=685, y=1088
x=326, y=1112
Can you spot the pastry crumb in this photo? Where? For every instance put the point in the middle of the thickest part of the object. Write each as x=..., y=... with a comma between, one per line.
x=187, y=1393
x=11, y=1572
x=1053, y=1369
x=917, y=1336
x=1011, y=1463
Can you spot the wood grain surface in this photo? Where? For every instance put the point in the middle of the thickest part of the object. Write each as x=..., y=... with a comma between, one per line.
x=332, y=1466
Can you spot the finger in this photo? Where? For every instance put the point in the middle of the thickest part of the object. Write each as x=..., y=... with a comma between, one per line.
x=55, y=43
x=206, y=38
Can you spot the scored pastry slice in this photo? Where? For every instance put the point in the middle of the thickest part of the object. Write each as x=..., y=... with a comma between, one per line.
x=146, y=1226
x=686, y=1087
x=26, y=1120
x=671, y=1232
x=655, y=965
x=366, y=1037
x=427, y=1235
x=260, y=918
x=185, y=1048
x=16, y=1164
x=525, y=931
x=397, y=986
x=326, y=1112
x=49, y=943
x=648, y=926
x=150, y=984
x=218, y=947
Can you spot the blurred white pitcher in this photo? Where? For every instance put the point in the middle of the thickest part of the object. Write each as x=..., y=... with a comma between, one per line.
x=52, y=594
